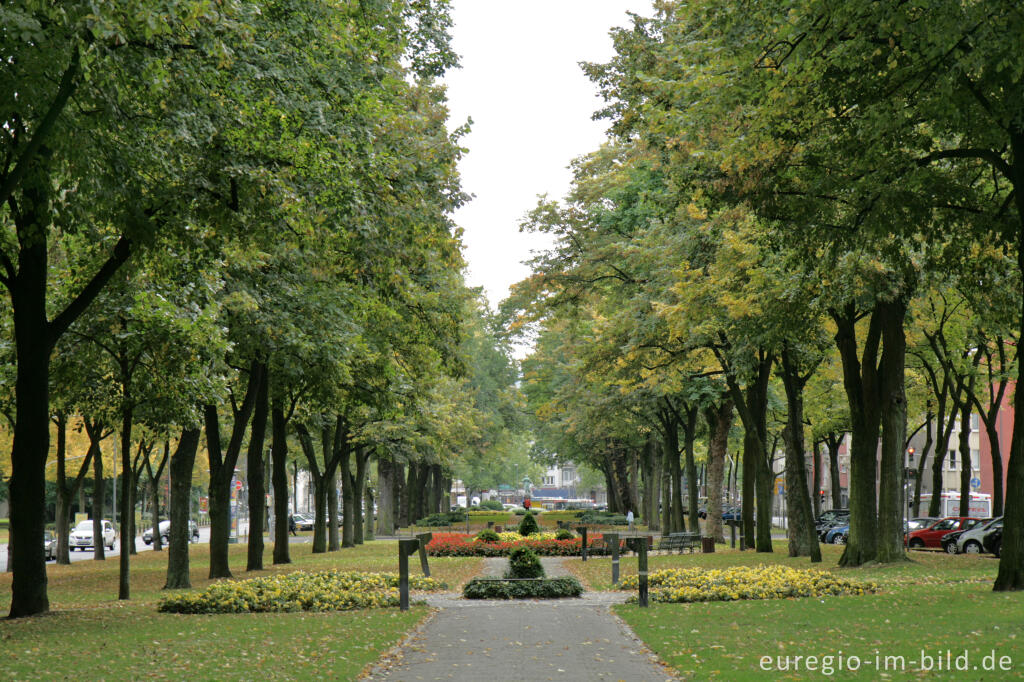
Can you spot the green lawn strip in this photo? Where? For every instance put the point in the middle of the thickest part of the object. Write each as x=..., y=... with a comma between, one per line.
x=727, y=640
x=135, y=642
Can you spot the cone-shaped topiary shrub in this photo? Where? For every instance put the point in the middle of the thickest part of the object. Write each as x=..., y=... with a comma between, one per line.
x=488, y=535
x=528, y=525
x=523, y=562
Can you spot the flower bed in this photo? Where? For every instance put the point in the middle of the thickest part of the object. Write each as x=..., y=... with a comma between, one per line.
x=745, y=582
x=299, y=591
x=460, y=544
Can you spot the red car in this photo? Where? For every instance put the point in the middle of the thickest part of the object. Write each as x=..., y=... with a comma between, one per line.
x=932, y=535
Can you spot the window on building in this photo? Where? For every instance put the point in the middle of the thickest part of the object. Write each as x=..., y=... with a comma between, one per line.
x=951, y=458
x=975, y=459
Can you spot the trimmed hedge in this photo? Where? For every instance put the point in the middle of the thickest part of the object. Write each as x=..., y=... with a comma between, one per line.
x=524, y=563
x=442, y=519
x=461, y=544
x=563, y=534
x=488, y=535
x=602, y=518
x=528, y=526
x=547, y=588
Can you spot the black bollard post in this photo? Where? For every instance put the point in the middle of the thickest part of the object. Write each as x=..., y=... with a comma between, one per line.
x=583, y=545
x=612, y=540
x=642, y=570
x=732, y=535
x=424, y=538
x=405, y=548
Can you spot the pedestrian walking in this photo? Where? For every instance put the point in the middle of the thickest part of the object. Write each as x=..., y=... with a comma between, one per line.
x=629, y=519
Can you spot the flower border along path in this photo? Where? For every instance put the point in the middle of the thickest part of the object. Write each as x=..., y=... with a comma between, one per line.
x=561, y=639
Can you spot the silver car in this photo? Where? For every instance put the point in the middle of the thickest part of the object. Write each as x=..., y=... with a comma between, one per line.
x=81, y=535
x=969, y=541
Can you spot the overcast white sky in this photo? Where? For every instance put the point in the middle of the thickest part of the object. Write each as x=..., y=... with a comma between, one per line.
x=531, y=106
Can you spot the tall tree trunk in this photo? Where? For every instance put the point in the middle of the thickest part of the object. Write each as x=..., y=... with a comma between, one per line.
x=965, y=458
x=816, y=489
x=400, y=496
x=1011, y=556
x=751, y=452
x=385, y=495
x=334, y=521
x=358, y=482
x=279, y=479
x=860, y=379
x=666, y=494
x=182, y=462
x=670, y=434
x=650, y=485
x=66, y=492
x=222, y=471
x=348, y=500
x=803, y=539
x=892, y=394
x=99, y=493
x=690, y=435
x=928, y=440
x=127, y=502
x=609, y=482
x=440, y=490
x=832, y=442
x=719, y=421
x=154, y=485
x=257, y=497
x=368, y=511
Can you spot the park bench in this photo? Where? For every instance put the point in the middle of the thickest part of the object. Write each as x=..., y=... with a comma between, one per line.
x=679, y=542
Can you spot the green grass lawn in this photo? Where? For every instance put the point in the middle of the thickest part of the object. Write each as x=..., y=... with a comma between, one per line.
x=934, y=603
x=91, y=635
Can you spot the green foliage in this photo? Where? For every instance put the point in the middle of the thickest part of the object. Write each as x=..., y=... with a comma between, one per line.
x=545, y=588
x=528, y=525
x=488, y=535
x=442, y=519
x=523, y=562
x=564, y=534
x=492, y=504
x=602, y=518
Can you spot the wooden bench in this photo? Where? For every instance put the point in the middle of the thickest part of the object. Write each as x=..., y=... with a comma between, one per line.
x=679, y=542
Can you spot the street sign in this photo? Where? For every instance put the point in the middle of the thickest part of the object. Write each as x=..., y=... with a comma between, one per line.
x=238, y=484
x=975, y=482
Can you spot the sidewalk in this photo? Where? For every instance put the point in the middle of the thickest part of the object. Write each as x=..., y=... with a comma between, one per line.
x=559, y=639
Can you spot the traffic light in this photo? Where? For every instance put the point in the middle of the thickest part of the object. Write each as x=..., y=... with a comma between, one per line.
x=821, y=495
x=910, y=456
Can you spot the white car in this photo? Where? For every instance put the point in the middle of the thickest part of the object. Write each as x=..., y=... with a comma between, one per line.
x=81, y=535
x=969, y=541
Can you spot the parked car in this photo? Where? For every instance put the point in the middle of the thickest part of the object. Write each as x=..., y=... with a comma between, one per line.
x=165, y=532
x=993, y=540
x=732, y=514
x=830, y=519
x=838, y=535
x=970, y=541
x=49, y=545
x=932, y=535
x=919, y=522
x=81, y=535
x=948, y=541
x=302, y=522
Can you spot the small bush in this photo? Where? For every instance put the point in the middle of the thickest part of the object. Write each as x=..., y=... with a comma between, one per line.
x=519, y=511
x=442, y=519
x=528, y=526
x=564, y=534
x=548, y=588
x=492, y=504
x=488, y=535
x=523, y=562
x=602, y=518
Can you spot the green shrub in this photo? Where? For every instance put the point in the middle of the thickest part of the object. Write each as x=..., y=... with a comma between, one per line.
x=488, y=535
x=492, y=504
x=519, y=511
x=523, y=562
x=528, y=525
x=602, y=518
x=442, y=519
x=564, y=534
x=547, y=588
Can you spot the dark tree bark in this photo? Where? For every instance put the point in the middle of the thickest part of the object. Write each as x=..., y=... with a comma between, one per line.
x=358, y=481
x=689, y=423
x=67, y=491
x=368, y=511
x=803, y=540
x=929, y=439
x=99, y=488
x=154, y=489
x=965, y=458
x=944, y=394
x=861, y=381
x=998, y=381
x=333, y=515
x=719, y=420
x=222, y=470
x=832, y=441
x=348, y=498
x=816, y=488
x=182, y=462
x=385, y=496
x=669, y=421
x=279, y=479
x=400, y=496
x=257, y=492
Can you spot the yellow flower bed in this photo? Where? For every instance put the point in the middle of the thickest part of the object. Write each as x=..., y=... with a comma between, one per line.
x=744, y=582
x=513, y=536
x=299, y=591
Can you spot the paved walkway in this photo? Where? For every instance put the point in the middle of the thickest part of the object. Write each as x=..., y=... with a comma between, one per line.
x=559, y=639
